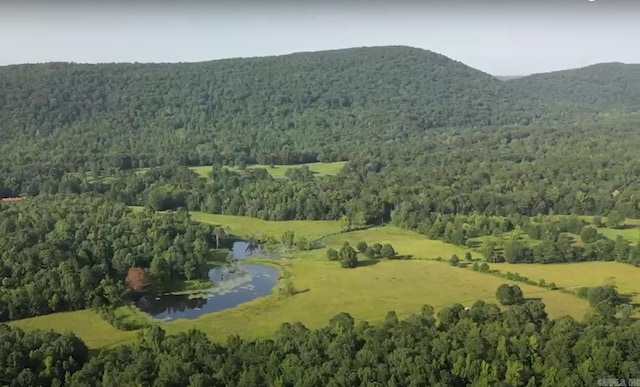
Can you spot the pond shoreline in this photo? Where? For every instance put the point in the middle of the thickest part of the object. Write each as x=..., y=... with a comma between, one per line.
x=252, y=273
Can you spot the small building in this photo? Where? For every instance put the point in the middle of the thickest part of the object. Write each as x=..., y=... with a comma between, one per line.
x=11, y=199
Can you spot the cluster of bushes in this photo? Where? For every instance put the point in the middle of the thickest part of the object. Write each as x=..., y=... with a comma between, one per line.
x=509, y=294
x=485, y=268
x=520, y=278
x=348, y=256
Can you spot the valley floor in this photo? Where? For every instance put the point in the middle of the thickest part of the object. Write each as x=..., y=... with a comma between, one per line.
x=366, y=292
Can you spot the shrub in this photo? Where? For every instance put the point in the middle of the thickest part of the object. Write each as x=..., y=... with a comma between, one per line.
x=361, y=246
x=387, y=251
x=332, y=254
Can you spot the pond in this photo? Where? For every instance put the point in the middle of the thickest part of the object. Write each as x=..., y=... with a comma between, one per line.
x=235, y=284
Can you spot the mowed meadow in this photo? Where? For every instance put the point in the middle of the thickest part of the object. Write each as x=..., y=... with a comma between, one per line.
x=325, y=289
x=277, y=171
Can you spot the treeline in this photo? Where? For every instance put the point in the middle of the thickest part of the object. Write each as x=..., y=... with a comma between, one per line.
x=479, y=345
x=288, y=109
x=39, y=358
x=62, y=253
x=555, y=245
x=492, y=172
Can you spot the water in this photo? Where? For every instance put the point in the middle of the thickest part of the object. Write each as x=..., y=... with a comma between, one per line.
x=235, y=284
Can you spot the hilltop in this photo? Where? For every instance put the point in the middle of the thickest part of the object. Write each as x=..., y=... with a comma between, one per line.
x=293, y=108
x=604, y=87
x=289, y=109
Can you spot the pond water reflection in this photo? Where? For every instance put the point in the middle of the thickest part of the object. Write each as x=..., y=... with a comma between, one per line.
x=235, y=284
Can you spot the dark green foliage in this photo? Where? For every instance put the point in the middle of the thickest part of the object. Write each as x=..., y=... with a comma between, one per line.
x=361, y=246
x=370, y=253
x=596, y=88
x=604, y=299
x=454, y=260
x=589, y=235
x=387, y=251
x=346, y=353
x=332, y=254
x=509, y=294
x=303, y=243
x=288, y=239
x=597, y=221
x=476, y=266
x=615, y=219
x=484, y=267
x=39, y=358
x=73, y=252
x=513, y=251
x=348, y=256
x=376, y=247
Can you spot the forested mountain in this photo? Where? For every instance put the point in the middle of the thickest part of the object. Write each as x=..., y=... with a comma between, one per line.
x=285, y=109
x=605, y=87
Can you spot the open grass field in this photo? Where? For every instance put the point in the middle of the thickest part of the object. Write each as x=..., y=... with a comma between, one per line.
x=366, y=292
x=246, y=226
x=630, y=231
x=278, y=171
x=86, y=324
x=405, y=242
x=581, y=274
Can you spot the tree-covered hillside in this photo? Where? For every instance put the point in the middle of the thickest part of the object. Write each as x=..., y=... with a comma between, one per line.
x=305, y=107
x=287, y=109
x=605, y=87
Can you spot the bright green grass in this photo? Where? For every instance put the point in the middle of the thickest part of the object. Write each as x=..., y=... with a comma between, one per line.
x=405, y=242
x=86, y=324
x=318, y=169
x=631, y=232
x=278, y=171
x=366, y=292
x=581, y=274
x=246, y=226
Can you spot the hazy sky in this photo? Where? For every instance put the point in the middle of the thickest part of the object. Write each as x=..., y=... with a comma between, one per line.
x=499, y=37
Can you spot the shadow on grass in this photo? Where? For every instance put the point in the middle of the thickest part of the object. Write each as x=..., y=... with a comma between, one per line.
x=527, y=299
x=301, y=291
x=472, y=244
x=368, y=262
x=625, y=227
x=627, y=298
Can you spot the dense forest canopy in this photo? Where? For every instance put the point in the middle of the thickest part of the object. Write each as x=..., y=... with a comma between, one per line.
x=432, y=145
x=480, y=345
x=602, y=87
x=287, y=109
x=60, y=253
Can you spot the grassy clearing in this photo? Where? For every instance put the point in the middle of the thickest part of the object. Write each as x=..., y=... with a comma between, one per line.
x=318, y=169
x=631, y=234
x=278, y=171
x=581, y=274
x=246, y=226
x=405, y=242
x=86, y=324
x=366, y=292
x=629, y=231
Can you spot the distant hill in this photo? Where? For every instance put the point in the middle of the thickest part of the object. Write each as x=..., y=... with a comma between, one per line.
x=602, y=87
x=284, y=109
x=508, y=77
